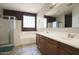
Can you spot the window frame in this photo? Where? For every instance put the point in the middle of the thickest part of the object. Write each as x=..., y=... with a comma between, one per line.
x=29, y=29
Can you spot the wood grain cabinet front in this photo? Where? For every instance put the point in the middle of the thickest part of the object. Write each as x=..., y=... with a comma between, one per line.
x=49, y=46
x=67, y=50
x=46, y=46
x=40, y=43
x=37, y=39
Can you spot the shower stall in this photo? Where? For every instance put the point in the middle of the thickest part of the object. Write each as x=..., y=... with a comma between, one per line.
x=7, y=27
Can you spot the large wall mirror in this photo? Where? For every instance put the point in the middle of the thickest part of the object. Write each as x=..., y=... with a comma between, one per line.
x=65, y=15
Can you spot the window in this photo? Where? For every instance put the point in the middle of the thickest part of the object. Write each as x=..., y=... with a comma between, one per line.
x=29, y=23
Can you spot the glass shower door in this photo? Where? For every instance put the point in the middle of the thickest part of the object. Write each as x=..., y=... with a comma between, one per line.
x=7, y=34
x=4, y=32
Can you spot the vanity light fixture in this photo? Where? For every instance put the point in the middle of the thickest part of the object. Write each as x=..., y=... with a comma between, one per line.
x=53, y=5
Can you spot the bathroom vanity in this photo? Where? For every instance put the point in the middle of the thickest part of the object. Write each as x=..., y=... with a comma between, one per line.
x=50, y=44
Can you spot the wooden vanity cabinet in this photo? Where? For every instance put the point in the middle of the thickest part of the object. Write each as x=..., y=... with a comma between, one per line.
x=37, y=39
x=67, y=50
x=40, y=43
x=46, y=46
x=49, y=46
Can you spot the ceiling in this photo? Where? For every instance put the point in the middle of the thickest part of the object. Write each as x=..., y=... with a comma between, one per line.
x=43, y=8
x=60, y=9
x=25, y=7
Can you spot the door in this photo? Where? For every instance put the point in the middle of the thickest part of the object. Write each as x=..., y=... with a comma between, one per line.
x=68, y=20
x=4, y=32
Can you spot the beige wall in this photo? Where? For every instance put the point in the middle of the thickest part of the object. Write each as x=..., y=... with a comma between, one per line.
x=17, y=31
x=75, y=16
x=28, y=37
x=68, y=30
x=40, y=22
x=1, y=11
x=25, y=37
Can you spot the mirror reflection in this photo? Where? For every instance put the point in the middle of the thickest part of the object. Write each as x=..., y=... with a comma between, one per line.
x=63, y=16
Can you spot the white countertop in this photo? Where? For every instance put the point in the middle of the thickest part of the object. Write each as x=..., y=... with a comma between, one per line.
x=61, y=38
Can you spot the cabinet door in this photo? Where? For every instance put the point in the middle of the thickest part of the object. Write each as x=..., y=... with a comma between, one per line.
x=37, y=39
x=67, y=50
x=51, y=47
x=42, y=44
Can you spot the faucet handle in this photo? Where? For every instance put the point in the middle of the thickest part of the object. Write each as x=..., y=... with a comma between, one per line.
x=70, y=36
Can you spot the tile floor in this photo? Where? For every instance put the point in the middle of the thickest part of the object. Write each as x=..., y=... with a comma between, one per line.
x=25, y=50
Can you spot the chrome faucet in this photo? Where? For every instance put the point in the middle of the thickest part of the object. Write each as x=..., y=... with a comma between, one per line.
x=70, y=36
